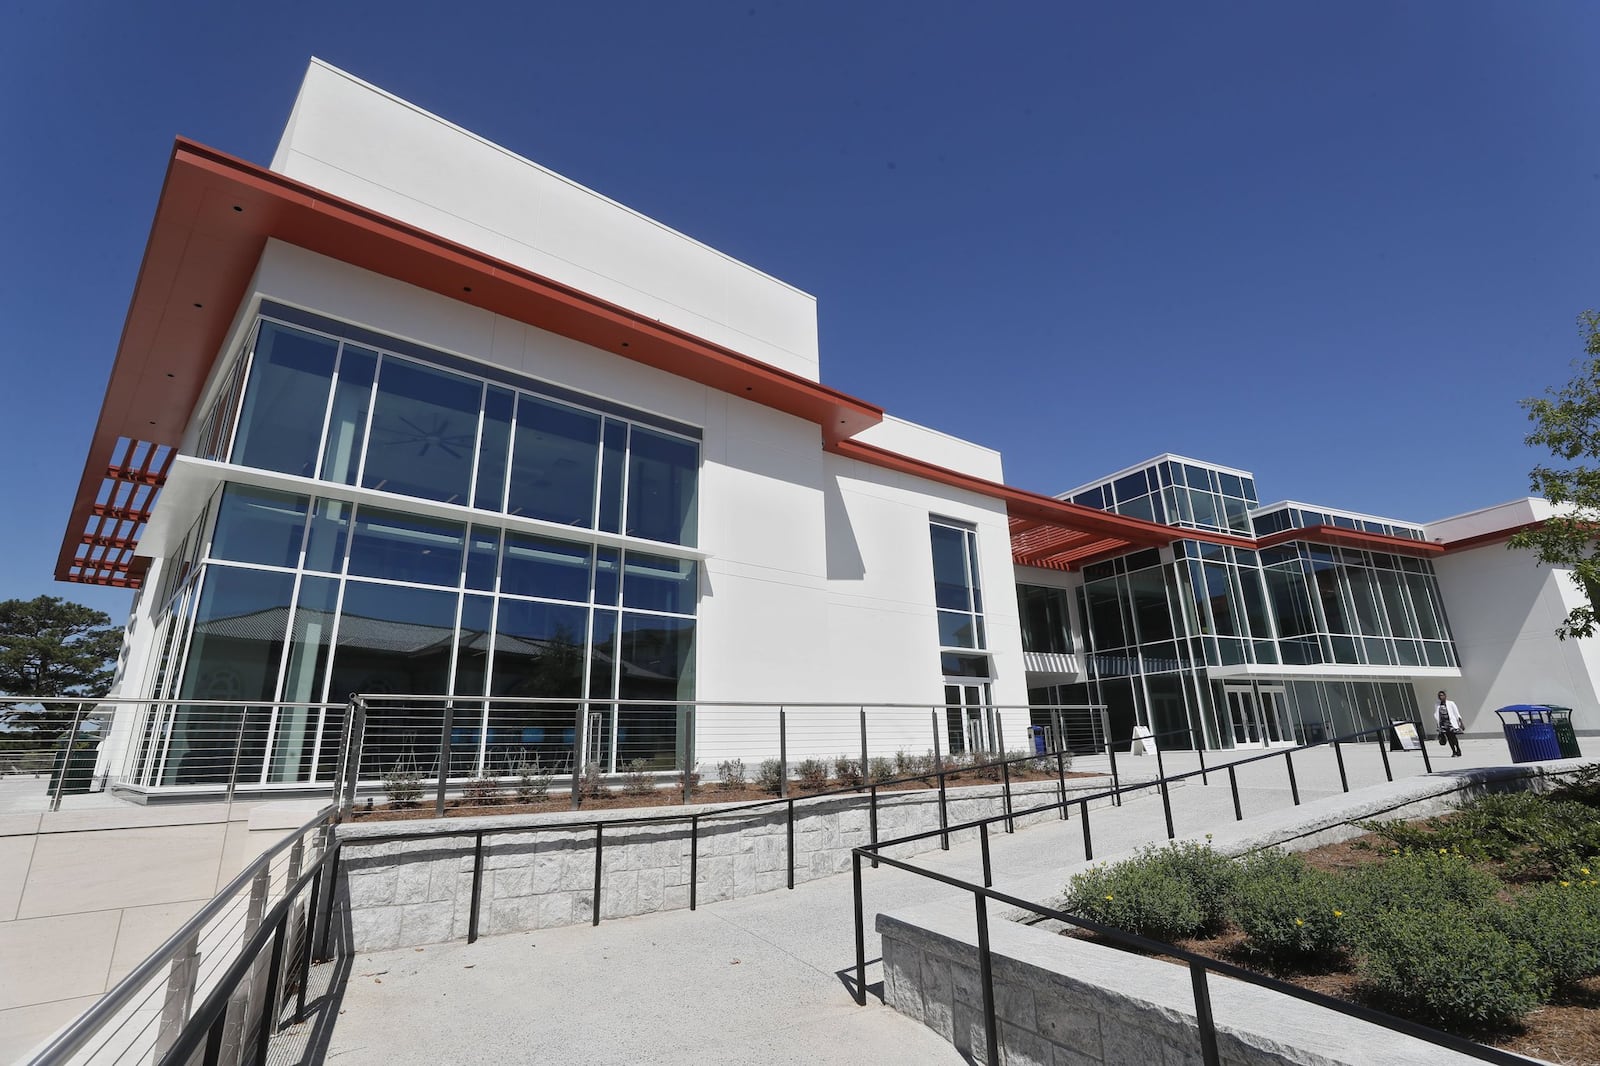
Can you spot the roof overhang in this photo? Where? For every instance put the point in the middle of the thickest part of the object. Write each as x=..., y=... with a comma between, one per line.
x=1341, y=537
x=213, y=219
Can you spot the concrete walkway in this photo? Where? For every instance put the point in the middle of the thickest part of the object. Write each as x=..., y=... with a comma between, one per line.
x=761, y=979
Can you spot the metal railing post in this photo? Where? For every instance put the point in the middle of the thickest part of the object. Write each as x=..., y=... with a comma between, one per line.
x=991, y=1029
x=356, y=725
x=1294, y=788
x=477, y=888
x=268, y=1023
x=330, y=889
x=1199, y=743
x=983, y=837
x=1383, y=749
x=69, y=738
x=872, y=820
x=179, y=1001
x=861, y=930
x=580, y=723
x=694, y=860
x=238, y=749
x=865, y=765
x=1116, y=782
x=938, y=762
x=1083, y=815
x=1233, y=786
x=1338, y=756
x=1422, y=742
x=1061, y=782
x=1005, y=784
x=1202, y=1016
x=783, y=761
x=446, y=724
x=599, y=850
x=308, y=929
x=790, y=838
x=688, y=754
x=1166, y=807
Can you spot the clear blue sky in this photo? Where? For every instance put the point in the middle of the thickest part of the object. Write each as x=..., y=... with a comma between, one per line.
x=1332, y=244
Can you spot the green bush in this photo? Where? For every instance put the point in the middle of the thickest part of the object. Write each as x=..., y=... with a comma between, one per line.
x=1560, y=923
x=882, y=769
x=1532, y=835
x=1450, y=966
x=1289, y=912
x=813, y=774
x=848, y=771
x=770, y=776
x=637, y=780
x=1412, y=881
x=1580, y=786
x=730, y=773
x=1165, y=893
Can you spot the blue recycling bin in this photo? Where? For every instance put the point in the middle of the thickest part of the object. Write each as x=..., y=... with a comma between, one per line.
x=1037, y=733
x=1530, y=733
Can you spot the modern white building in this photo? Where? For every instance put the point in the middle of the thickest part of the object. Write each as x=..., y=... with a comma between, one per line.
x=407, y=414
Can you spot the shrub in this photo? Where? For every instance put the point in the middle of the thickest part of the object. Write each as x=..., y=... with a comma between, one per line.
x=880, y=769
x=636, y=779
x=813, y=774
x=1560, y=923
x=906, y=764
x=1449, y=965
x=688, y=781
x=1288, y=911
x=770, y=776
x=483, y=791
x=1580, y=786
x=1413, y=882
x=1180, y=890
x=533, y=780
x=848, y=771
x=731, y=775
x=403, y=782
x=592, y=783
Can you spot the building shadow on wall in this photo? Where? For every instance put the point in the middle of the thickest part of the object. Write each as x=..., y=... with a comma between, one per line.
x=844, y=553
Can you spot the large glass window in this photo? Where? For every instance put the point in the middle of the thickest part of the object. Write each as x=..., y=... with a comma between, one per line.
x=347, y=421
x=402, y=547
x=663, y=472
x=393, y=639
x=285, y=401
x=259, y=526
x=424, y=428
x=541, y=566
x=553, y=463
x=957, y=592
x=1046, y=623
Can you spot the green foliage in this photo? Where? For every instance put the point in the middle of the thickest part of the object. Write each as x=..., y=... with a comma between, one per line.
x=1424, y=882
x=770, y=776
x=813, y=774
x=533, y=780
x=402, y=782
x=881, y=768
x=1567, y=424
x=636, y=779
x=1532, y=835
x=1166, y=893
x=1288, y=911
x=50, y=647
x=848, y=771
x=1450, y=965
x=1560, y=922
x=731, y=774
x=483, y=791
x=1580, y=786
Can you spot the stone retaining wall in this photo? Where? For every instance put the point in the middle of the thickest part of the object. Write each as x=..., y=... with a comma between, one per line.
x=418, y=890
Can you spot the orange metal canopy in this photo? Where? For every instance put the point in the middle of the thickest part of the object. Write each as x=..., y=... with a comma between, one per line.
x=214, y=217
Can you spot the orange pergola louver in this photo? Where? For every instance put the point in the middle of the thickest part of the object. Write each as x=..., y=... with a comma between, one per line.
x=104, y=552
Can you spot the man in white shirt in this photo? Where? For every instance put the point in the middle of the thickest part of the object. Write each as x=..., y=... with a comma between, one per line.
x=1448, y=717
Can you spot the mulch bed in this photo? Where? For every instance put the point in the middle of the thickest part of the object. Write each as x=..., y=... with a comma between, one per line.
x=1565, y=1031
x=561, y=802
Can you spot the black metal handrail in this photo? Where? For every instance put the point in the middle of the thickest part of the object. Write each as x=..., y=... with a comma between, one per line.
x=91, y=1022
x=1199, y=968
x=731, y=813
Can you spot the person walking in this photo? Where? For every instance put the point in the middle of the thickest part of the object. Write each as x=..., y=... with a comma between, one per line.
x=1448, y=715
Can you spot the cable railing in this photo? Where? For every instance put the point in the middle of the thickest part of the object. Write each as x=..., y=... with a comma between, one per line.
x=1200, y=966
x=151, y=1015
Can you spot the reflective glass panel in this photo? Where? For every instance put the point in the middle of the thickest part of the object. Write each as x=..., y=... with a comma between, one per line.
x=614, y=447
x=259, y=526
x=483, y=555
x=652, y=583
x=472, y=645
x=553, y=462
x=330, y=529
x=539, y=649
x=494, y=449
x=310, y=640
x=393, y=639
x=956, y=630
x=347, y=424
x=951, y=590
x=424, y=425
x=402, y=547
x=656, y=659
x=280, y=426
x=607, y=579
x=663, y=475
x=540, y=566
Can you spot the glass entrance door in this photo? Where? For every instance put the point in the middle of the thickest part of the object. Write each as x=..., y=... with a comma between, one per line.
x=1258, y=714
x=967, y=718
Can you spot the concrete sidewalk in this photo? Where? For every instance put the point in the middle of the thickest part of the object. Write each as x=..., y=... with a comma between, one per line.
x=761, y=979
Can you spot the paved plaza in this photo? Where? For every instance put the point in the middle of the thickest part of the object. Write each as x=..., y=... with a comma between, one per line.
x=764, y=979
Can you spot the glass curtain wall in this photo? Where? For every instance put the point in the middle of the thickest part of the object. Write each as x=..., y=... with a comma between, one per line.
x=1179, y=494
x=963, y=640
x=301, y=598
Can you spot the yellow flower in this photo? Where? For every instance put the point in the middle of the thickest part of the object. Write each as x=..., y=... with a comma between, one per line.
x=1566, y=884
x=1108, y=895
x=1443, y=851
x=1338, y=914
x=1584, y=871
x=1299, y=921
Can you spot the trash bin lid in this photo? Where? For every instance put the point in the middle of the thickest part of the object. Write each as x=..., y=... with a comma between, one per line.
x=1526, y=711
